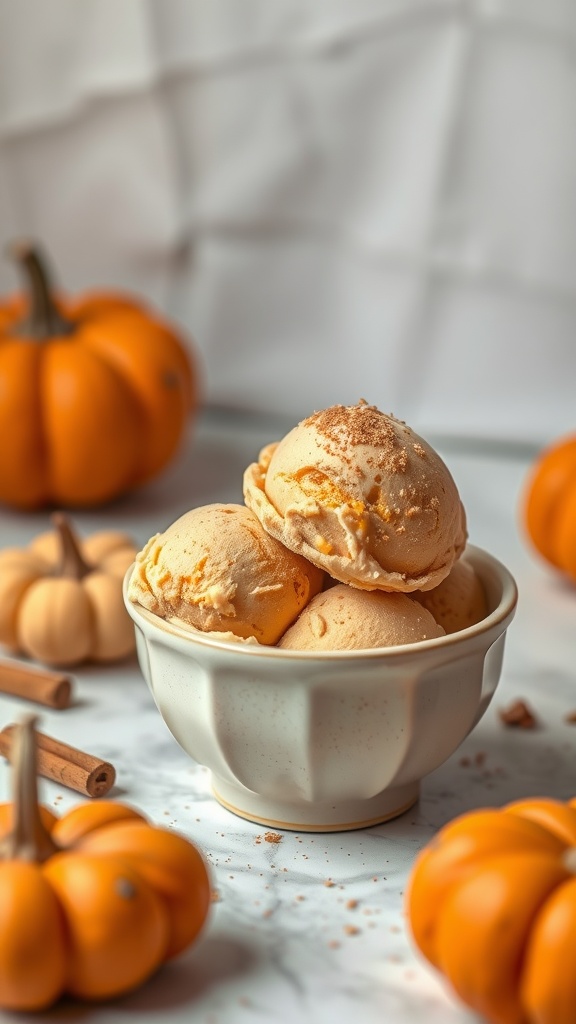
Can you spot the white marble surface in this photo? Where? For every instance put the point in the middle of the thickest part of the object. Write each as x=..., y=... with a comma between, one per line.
x=311, y=927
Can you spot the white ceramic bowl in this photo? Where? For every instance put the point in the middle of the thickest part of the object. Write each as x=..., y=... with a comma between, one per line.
x=324, y=741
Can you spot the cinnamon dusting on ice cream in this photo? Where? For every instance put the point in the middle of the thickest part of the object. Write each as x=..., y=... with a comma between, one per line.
x=362, y=496
x=346, y=427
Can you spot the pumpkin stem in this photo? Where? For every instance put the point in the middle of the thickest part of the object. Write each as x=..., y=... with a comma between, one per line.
x=29, y=839
x=72, y=564
x=43, y=319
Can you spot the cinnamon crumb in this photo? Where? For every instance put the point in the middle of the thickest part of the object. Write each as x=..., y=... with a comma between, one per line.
x=351, y=904
x=519, y=714
x=215, y=896
x=328, y=883
x=272, y=837
x=351, y=929
x=480, y=758
x=570, y=718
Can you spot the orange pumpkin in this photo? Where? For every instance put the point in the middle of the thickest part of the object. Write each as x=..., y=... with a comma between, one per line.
x=90, y=903
x=491, y=904
x=95, y=394
x=549, y=505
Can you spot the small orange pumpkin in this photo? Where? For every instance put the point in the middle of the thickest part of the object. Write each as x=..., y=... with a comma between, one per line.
x=95, y=394
x=491, y=904
x=91, y=903
x=549, y=505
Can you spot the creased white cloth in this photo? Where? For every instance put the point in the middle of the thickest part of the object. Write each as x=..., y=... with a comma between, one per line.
x=345, y=199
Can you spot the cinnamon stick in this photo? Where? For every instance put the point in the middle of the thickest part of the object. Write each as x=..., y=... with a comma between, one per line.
x=61, y=763
x=50, y=688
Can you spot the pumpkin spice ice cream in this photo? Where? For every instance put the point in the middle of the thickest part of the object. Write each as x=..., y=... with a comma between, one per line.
x=359, y=494
x=346, y=619
x=217, y=570
x=459, y=601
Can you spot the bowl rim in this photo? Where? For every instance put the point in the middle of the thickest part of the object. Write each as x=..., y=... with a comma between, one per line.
x=482, y=561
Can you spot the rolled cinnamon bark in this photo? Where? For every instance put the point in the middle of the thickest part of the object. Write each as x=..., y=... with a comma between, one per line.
x=52, y=689
x=71, y=767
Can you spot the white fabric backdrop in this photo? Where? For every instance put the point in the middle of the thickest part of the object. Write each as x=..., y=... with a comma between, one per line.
x=343, y=199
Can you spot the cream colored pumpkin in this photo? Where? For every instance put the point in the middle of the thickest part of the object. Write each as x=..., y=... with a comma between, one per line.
x=61, y=598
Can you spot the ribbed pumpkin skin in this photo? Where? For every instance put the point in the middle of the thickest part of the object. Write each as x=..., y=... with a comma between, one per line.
x=61, y=597
x=491, y=904
x=94, y=412
x=93, y=902
x=549, y=505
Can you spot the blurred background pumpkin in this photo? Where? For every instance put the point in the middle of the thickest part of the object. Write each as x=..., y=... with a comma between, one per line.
x=96, y=392
x=548, y=505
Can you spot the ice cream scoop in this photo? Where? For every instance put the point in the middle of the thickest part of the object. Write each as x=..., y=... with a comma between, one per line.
x=216, y=569
x=359, y=494
x=345, y=618
x=459, y=601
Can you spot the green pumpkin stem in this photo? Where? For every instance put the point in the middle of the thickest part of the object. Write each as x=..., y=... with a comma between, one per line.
x=29, y=839
x=71, y=565
x=43, y=319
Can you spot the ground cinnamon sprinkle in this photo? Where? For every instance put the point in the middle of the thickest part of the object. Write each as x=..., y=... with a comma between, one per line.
x=272, y=837
x=348, y=426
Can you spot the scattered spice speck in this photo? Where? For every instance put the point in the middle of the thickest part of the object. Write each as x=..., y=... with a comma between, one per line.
x=351, y=929
x=272, y=837
x=518, y=715
x=352, y=904
x=215, y=896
